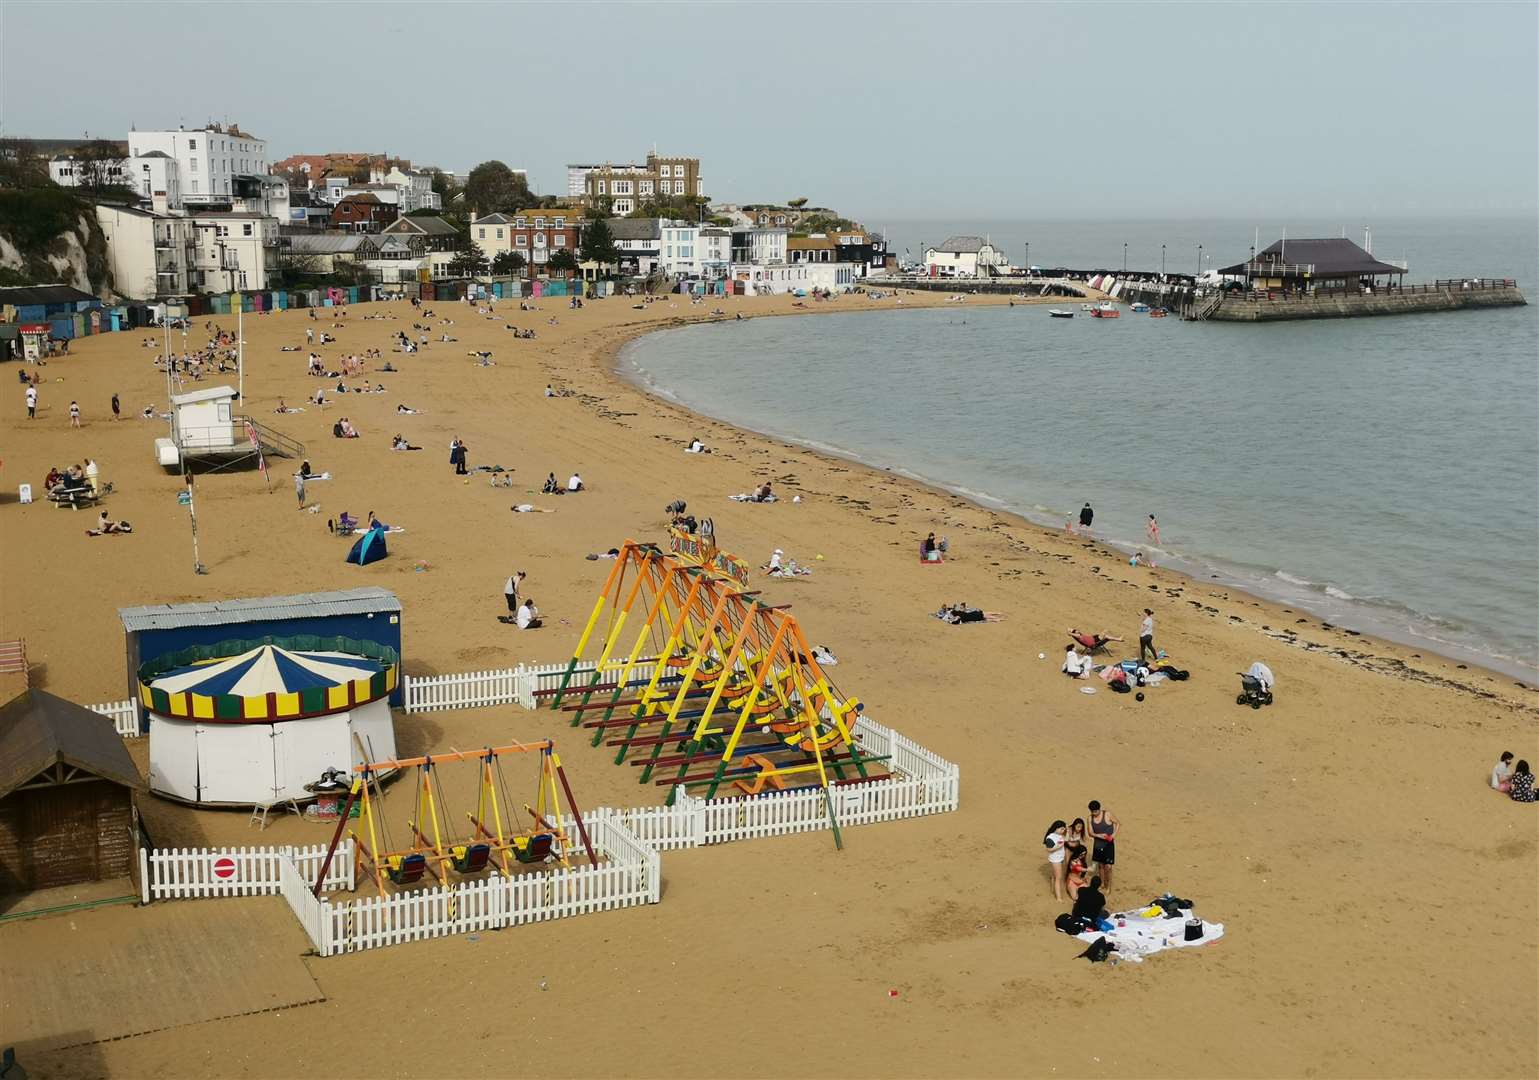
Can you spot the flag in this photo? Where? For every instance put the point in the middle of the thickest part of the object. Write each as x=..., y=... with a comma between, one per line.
x=256, y=444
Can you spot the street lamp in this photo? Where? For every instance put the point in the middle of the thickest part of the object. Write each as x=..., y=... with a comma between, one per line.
x=1199, y=260
x=1028, y=258
x=1162, y=260
x=1124, y=258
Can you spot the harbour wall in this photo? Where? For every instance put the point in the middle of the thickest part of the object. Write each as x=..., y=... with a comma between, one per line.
x=1391, y=302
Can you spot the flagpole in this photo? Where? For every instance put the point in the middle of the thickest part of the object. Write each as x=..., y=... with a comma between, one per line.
x=240, y=355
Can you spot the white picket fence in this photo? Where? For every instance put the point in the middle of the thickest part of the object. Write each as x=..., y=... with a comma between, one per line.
x=628, y=873
x=125, y=716
x=186, y=873
x=501, y=686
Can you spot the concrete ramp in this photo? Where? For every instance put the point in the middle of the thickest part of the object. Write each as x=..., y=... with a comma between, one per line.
x=108, y=973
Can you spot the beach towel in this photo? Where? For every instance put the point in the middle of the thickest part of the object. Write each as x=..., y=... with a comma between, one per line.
x=1138, y=935
x=744, y=497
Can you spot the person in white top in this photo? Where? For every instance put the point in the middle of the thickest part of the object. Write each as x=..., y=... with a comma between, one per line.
x=31, y=403
x=1075, y=665
x=510, y=591
x=1501, y=774
x=575, y=483
x=528, y=615
x=774, y=563
x=1146, y=636
x=1055, y=840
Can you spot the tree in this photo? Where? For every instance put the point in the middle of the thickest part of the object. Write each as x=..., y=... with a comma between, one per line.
x=21, y=166
x=598, y=244
x=445, y=186
x=468, y=263
x=493, y=188
x=797, y=204
x=96, y=162
x=563, y=260
x=508, y=263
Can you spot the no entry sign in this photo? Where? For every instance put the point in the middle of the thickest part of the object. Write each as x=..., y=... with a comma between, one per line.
x=224, y=868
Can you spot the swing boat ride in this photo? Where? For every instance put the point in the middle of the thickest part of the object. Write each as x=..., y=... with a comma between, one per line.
x=736, y=699
x=491, y=844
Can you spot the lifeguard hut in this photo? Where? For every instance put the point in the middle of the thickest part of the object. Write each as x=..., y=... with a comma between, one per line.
x=206, y=425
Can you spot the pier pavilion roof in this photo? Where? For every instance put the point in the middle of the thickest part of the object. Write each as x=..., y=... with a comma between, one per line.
x=1327, y=258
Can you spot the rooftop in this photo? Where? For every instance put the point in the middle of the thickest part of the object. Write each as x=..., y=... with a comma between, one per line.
x=1329, y=257
x=26, y=295
x=425, y=224
x=962, y=244
x=359, y=601
x=39, y=731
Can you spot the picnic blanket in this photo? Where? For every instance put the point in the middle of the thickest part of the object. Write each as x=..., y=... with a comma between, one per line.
x=1139, y=933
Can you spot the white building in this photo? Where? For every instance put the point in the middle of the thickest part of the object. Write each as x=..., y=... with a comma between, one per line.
x=680, y=253
x=415, y=187
x=232, y=250
x=759, y=246
x=715, y=252
x=772, y=280
x=150, y=253
x=150, y=174
x=965, y=256
x=207, y=159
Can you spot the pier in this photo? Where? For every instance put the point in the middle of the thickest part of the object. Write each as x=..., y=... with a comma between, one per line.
x=1262, y=305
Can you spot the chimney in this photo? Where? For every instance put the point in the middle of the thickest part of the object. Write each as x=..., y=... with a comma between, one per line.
x=159, y=203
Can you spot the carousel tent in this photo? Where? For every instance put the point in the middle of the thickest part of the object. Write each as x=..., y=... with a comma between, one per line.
x=251, y=723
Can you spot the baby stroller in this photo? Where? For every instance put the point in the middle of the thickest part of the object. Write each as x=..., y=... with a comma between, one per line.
x=1256, y=686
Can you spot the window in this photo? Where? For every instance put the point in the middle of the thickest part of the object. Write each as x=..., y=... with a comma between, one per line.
x=192, y=144
x=646, y=187
x=194, y=164
x=481, y=234
x=601, y=187
x=246, y=229
x=519, y=222
x=558, y=240
x=539, y=239
x=194, y=186
x=667, y=170
x=561, y=223
x=539, y=223
x=520, y=240
x=499, y=234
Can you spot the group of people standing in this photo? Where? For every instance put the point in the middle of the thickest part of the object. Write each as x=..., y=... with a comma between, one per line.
x=1082, y=854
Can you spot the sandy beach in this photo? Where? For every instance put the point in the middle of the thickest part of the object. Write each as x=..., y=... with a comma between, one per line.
x=1381, y=903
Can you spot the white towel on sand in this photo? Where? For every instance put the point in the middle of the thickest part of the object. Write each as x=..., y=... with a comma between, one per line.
x=1142, y=937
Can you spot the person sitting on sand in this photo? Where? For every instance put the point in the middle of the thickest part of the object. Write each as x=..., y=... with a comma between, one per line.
x=574, y=483
x=929, y=551
x=105, y=525
x=1076, y=666
x=1501, y=774
x=528, y=617
x=762, y=493
x=1075, y=880
x=1521, y=787
x=552, y=486
x=696, y=447
x=400, y=443
x=1091, y=902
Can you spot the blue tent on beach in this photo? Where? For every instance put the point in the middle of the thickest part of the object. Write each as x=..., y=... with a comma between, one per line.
x=370, y=547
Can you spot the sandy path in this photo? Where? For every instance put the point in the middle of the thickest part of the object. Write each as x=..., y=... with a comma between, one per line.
x=1343, y=835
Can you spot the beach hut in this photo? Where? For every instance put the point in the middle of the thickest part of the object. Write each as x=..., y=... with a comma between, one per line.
x=67, y=790
x=250, y=723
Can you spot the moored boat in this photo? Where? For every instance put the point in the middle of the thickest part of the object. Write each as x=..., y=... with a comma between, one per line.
x=1106, y=311
x=1060, y=313
x=1140, y=306
x=1158, y=313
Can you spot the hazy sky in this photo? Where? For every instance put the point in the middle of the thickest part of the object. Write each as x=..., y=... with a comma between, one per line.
x=886, y=111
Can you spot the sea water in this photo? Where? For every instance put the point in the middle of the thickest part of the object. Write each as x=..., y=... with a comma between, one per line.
x=1380, y=472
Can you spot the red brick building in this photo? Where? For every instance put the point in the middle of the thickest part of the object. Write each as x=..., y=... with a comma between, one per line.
x=362, y=213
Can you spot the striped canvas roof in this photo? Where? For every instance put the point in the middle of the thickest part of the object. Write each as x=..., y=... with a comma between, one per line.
x=266, y=669
x=359, y=601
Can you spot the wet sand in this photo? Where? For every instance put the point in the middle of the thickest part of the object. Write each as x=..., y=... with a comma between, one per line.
x=1344, y=836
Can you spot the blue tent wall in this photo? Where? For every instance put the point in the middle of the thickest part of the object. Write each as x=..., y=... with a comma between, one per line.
x=370, y=547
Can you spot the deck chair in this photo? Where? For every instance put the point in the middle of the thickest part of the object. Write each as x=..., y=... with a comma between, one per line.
x=1094, y=643
x=347, y=525
x=532, y=849
x=471, y=859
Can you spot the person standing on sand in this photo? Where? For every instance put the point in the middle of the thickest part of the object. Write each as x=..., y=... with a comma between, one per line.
x=116, y=408
x=31, y=402
x=1055, y=841
x=299, y=488
x=1086, y=516
x=1146, y=637
x=74, y=414
x=510, y=591
x=1103, y=830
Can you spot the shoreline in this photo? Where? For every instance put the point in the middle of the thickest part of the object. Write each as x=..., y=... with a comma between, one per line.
x=623, y=372
x=1198, y=569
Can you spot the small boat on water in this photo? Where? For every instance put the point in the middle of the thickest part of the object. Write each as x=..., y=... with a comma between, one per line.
x=1140, y=306
x=1061, y=313
x=1106, y=311
x=1158, y=313
x=1087, y=307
